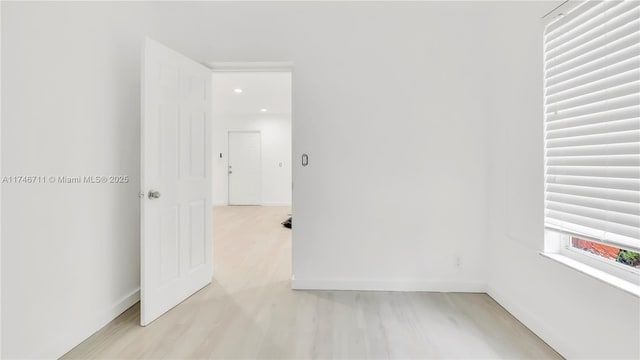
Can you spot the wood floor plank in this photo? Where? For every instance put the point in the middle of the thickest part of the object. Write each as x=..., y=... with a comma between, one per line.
x=250, y=312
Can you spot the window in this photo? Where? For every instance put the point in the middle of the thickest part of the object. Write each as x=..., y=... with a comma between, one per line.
x=622, y=256
x=592, y=134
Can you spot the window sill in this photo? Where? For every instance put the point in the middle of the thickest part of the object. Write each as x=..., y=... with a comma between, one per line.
x=605, y=277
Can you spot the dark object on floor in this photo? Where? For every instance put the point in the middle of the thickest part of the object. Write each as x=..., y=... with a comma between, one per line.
x=287, y=223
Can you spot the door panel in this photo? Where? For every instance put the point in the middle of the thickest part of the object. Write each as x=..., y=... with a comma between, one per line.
x=176, y=239
x=245, y=169
x=197, y=248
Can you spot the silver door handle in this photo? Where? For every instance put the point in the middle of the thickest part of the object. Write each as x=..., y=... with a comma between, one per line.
x=154, y=194
x=305, y=159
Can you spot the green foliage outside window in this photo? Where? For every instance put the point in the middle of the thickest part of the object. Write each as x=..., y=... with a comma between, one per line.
x=628, y=257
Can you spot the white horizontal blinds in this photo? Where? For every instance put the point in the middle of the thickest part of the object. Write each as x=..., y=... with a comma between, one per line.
x=592, y=122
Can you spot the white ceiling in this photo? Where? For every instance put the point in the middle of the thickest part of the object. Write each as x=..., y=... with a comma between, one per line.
x=269, y=90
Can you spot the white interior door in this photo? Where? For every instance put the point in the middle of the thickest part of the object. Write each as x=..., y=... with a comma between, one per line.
x=176, y=241
x=245, y=170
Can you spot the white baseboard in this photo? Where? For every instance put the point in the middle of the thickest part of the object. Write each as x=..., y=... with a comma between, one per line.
x=67, y=340
x=389, y=285
x=276, y=204
x=534, y=323
x=263, y=204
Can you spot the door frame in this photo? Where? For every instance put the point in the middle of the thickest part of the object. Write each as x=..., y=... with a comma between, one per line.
x=259, y=132
x=259, y=66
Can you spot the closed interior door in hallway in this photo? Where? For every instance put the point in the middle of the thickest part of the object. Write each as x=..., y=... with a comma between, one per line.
x=245, y=168
x=250, y=312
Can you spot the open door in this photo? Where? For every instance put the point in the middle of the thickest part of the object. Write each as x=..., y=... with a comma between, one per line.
x=176, y=239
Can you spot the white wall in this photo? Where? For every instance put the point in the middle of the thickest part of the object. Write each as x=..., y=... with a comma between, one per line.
x=70, y=95
x=391, y=102
x=397, y=165
x=577, y=315
x=275, y=134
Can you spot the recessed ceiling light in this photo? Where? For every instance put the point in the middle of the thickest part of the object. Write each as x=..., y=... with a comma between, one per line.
x=263, y=110
x=237, y=91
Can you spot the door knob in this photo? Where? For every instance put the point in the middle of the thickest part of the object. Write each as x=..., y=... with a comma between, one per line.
x=154, y=194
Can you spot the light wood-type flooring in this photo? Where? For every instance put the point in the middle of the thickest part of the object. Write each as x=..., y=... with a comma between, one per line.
x=250, y=312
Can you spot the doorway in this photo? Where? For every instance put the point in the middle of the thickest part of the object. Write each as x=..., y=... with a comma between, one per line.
x=186, y=121
x=252, y=175
x=252, y=147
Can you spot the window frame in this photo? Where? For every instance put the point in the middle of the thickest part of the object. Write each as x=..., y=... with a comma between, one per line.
x=557, y=244
x=625, y=272
x=557, y=247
